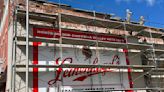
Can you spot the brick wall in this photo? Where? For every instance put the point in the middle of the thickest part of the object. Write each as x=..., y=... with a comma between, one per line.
x=4, y=41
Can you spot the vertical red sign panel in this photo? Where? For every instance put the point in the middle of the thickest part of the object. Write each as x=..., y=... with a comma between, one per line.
x=129, y=71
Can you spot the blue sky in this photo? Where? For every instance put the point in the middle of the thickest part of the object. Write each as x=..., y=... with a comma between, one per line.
x=152, y=10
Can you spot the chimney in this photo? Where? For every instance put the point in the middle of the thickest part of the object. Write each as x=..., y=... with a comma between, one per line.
x=142, y=20
x=128, y=16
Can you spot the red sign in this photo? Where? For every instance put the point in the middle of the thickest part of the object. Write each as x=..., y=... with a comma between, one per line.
x=54, y=33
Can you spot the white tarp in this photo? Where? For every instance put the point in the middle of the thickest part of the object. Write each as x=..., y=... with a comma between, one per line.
x=69, y=79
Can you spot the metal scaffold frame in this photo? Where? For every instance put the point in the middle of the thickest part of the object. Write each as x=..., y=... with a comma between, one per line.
x=148, y=69
x=27, y=46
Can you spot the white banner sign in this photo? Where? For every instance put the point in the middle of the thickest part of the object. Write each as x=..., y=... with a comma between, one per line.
x=74, y=79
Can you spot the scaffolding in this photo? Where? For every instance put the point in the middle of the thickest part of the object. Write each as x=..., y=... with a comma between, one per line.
x=150, y=51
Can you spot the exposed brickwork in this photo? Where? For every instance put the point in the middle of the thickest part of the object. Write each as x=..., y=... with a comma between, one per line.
x=4, y=52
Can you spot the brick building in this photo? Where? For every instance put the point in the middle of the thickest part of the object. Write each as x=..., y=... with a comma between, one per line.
x=74, y=50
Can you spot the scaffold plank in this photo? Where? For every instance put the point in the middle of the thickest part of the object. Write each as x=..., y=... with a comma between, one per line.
x=147, y=34
x=88, y=43
x=90, y=66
